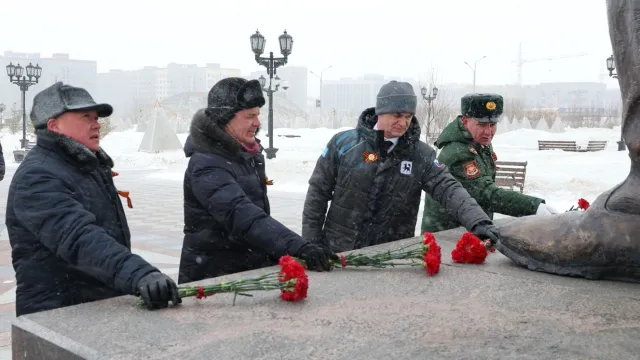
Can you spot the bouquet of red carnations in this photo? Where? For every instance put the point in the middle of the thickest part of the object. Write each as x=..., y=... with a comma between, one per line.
x=427, y=252
x=291, y=280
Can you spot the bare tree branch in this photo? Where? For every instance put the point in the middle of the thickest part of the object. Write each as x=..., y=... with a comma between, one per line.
x=434, y=116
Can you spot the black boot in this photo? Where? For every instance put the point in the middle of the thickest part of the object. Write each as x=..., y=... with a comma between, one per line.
x=604, y=241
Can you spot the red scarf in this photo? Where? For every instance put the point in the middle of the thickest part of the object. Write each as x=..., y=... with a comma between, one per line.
x=253, y=148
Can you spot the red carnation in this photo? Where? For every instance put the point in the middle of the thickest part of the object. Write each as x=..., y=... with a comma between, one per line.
x=432, y=254
x=291, y=269
x=343, y=260
x=428, y=237
x=583, y=204
x=201, y=293
x=469, y=249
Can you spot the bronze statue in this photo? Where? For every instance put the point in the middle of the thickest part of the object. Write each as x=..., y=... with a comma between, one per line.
x=602, y=242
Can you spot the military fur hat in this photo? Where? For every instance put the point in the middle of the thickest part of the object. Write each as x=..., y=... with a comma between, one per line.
x=482, y=107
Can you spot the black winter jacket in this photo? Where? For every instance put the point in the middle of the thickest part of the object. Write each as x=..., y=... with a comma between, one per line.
x=2, y=167
x=69, y=235
x=374, y=202
x=227, y=228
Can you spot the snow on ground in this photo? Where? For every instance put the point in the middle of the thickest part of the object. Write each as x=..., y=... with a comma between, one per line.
x=559, y=177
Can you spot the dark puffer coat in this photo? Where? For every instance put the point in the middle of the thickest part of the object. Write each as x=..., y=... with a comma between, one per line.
x=374, y=202
x=69, y=236
x=2, y=168
x=227, y=228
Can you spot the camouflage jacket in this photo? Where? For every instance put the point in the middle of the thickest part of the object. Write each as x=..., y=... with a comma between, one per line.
x=474, y=166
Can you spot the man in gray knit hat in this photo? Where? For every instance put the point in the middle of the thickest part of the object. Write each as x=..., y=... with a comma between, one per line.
x=68, y=231
x=373, y=176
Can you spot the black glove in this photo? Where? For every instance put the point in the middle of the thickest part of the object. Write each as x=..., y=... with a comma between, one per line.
x=487, y=232
x=317, y=257
x=157, y=289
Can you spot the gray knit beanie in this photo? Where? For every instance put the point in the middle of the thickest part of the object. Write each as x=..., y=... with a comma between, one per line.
x=396, y=97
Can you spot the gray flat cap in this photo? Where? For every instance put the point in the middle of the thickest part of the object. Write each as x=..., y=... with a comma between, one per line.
x=58, y=99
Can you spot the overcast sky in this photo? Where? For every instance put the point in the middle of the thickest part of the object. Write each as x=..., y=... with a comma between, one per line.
x=393, y=38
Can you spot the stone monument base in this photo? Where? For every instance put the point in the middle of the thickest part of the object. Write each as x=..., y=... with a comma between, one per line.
x=489, y=311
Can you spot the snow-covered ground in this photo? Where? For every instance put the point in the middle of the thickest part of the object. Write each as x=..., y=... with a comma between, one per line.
x=559, y=177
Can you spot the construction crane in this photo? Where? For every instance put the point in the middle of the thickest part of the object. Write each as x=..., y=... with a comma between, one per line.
x=520, y=61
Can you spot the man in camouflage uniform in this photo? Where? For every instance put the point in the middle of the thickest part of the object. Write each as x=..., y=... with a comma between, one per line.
x=468, y=153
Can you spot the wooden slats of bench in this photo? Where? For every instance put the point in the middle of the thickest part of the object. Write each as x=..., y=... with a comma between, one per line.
x=557, y=145
x=596, y=145
x=511, y=174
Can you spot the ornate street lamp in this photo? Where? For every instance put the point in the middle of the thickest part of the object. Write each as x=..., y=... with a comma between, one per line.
x=428, y=95
x=271, y=63
x=24, y=82
x=611, y=66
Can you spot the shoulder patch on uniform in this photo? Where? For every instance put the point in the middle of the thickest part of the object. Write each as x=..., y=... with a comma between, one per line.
x=324, y=152
x=471, y=170
x=437, y=163
x=473, y=150
x=494, y=156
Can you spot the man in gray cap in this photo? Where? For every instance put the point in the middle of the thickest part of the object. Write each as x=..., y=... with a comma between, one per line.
x=68, y=231
x=373, y=176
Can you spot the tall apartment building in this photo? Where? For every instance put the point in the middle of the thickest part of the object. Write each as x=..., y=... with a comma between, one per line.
x=58, y=67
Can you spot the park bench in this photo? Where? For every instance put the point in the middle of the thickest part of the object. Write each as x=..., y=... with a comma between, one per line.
x=510, y=174
x=289, y=136
x=19, y=154
x=596, y=145
x=557, y=145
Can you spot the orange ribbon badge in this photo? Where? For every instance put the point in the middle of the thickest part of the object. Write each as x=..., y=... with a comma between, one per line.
x=370, y=157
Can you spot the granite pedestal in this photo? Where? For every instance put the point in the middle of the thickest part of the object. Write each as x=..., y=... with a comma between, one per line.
x=491, y=311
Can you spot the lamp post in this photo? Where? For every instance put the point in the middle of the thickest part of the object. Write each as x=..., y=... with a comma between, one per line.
x=320, y=77
x=429, y=95
x=475, y=64
x=271, y=63
x=611, y=66
x=270, y=91
x=24, y=82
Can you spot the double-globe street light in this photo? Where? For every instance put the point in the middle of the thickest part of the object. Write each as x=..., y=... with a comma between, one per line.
x=271, y=63
x=24, y=82
x=429, y=95
x=611, y=66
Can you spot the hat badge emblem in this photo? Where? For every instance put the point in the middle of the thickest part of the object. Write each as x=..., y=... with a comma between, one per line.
x=491, y=105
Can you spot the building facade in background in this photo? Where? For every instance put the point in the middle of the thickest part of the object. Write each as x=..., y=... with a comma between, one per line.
x=58, y=67
x=129, y=91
